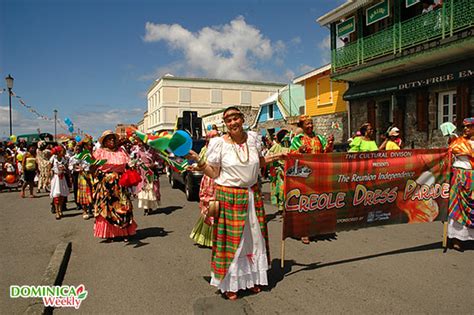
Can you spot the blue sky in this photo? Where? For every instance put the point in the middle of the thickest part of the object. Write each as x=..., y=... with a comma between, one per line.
x=94, y=61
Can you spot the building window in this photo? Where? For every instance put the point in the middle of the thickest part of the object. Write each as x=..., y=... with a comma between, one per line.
x=216, y=96
x=447, y=107
x=245, y=98
x=185, y=95
x=270, y=111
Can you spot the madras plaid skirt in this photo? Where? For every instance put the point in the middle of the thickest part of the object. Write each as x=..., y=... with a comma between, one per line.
x=84, y=188
x=461, y=197
x=233, y=208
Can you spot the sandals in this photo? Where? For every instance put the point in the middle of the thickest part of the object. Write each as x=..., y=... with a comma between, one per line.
x=256, y=289
x=457, y=245
x=231, y=296
x=305, y=240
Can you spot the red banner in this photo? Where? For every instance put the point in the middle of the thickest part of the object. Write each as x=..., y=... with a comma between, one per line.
x=325, y=193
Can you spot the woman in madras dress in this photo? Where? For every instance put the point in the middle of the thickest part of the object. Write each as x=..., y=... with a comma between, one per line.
x=364, y=142
x=43, y=154
x=203, y=229
x=461, y=201
x=112, y=204
x=277, y=170
x=310, y=142
x=240, y=251
x=146, y=161
x=84, y=179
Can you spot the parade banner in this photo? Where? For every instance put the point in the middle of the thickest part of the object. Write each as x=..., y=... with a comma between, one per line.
x=326, y=193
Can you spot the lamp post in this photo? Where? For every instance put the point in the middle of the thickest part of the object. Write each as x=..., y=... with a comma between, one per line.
x=55, y=119
x=9, y=80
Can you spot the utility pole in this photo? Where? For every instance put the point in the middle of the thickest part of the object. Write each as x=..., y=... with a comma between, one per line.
x=55, y=120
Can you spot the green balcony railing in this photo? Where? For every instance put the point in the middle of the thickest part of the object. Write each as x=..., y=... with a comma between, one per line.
x=453, y=16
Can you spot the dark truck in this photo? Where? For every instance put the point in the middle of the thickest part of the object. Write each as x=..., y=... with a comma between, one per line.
x=191, y=181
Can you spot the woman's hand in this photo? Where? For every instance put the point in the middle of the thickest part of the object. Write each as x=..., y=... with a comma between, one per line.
x=331, y=139
x=192, y=156
x=302, y=148
x=275, y=157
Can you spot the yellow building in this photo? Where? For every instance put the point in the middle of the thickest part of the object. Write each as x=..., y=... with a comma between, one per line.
x=324, y=102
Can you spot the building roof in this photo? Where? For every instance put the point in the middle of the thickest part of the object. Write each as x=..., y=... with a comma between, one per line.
x=342, y=11
x=173, y=78
x=271, y=99
x=312, y=73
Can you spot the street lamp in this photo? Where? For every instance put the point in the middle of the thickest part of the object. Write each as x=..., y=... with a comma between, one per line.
x=55, y=119
x=9, y=80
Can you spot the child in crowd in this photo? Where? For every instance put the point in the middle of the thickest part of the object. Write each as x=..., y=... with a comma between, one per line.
x=59, y=186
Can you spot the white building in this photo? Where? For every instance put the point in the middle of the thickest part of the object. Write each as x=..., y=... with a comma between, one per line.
x=169, y=96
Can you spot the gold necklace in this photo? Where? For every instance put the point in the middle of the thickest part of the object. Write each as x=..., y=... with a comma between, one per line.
x=233, y=144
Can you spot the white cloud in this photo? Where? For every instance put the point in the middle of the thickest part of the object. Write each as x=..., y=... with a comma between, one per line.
x=289, y=75
x=92, y=122
x=296, y=40
x=230, y=51
x=325, y=44
x=324, y=48
x=22, y=124
x=305, y=68
x=95, y=122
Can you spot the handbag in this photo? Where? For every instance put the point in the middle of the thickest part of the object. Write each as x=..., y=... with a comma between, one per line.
x=213, y=210
x=130, y=178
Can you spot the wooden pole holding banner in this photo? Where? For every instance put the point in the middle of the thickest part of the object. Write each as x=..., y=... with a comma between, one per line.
x=283, y=214
x=282, y=252
x=445, y=236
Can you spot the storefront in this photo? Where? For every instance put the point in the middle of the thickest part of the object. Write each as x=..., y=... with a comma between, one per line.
x=416, y=102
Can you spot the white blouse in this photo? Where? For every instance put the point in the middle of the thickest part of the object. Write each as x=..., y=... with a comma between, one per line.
x=235, y=172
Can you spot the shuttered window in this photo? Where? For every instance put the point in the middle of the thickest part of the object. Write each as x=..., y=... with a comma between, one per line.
x=371, y=115
x=463, y=104
x=184, y=95
x=422, y=111
x=245, y=97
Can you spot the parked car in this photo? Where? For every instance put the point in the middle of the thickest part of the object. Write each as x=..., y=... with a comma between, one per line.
x=191, y=181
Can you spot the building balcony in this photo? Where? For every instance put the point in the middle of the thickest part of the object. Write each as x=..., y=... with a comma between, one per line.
x=412, y=44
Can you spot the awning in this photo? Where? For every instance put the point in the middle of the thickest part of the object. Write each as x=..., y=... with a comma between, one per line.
x=407, y=81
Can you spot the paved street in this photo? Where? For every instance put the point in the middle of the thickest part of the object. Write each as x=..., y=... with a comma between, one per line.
x=391, y=269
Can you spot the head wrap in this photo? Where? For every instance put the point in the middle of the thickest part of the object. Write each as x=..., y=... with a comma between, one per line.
x=394, y=132
x=303, y=118
x=468, y=121
x=56, y=149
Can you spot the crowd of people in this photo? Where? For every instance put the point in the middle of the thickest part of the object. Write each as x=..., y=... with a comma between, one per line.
x=92, y=174
x=105, y=177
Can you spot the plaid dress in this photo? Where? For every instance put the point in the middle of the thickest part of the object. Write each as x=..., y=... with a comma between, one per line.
x=84, y=190
x=461, y=194
x=233, y=209
x=240, y=238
